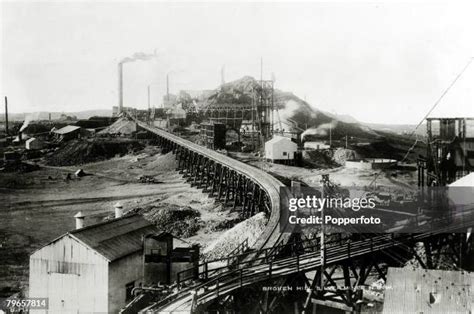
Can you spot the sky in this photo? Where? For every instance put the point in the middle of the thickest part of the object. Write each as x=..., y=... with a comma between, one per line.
x=383, y=63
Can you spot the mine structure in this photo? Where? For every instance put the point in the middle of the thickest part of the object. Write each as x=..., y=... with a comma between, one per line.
x=328, y=274
x=450, y=150
x=251, y=119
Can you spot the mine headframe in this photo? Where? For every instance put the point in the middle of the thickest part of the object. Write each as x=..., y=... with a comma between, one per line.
x=450, y=150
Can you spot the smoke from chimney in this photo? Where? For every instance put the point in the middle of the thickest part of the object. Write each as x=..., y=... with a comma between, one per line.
x=138, y=56
x=321, y=130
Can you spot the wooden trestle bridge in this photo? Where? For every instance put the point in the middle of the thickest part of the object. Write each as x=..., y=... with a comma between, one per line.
x=282, y=259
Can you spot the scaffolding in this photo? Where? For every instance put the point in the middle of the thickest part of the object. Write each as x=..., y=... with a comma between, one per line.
x=252, y=121
x=450, y=150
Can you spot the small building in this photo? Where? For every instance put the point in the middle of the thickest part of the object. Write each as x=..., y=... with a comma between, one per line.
x=316, y=145
x=95, y=268
x=68, y=132
x=280, y=150
x=34, y=143
x=428, y=291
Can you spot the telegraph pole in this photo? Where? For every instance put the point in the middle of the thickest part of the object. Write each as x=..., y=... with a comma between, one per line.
x=322, y=240
x=6, y=117
x=149, y=111
x=330, y=134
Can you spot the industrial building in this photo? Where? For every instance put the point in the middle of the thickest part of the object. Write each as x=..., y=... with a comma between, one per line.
x=68, y=132
x=450, y=148
x=213, y=135
x=95, y=268
x=316, y=145
x=281, y=150
x=428, y=291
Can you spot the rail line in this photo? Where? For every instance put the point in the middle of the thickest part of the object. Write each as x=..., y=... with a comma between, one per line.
x=263, y=261
x=271, y=234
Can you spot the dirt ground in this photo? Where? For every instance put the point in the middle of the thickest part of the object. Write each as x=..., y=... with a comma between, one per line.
x=39, y=206
x=403, y=179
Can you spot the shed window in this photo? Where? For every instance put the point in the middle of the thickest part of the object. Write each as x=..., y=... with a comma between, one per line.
x=128, y=291
x=285, y=153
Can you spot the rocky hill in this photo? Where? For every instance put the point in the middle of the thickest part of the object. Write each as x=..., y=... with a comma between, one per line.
x=295, y=113
x=291, y=111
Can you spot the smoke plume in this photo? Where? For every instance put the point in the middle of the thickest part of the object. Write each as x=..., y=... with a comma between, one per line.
x=138, y=56
x=322, y=130
x=28, y=119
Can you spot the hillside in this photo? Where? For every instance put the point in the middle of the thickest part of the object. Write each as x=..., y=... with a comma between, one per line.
x=44, y=115
x=291, y=109
x=379, y=141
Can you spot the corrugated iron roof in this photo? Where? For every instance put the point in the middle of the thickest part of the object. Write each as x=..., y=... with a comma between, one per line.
x=116, y=238
x=428, y=291
x=67, y=129
x=278, y=139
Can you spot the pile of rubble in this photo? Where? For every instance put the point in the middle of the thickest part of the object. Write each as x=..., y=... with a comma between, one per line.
x=249, y=230
x=148, y=179
x=83, y=151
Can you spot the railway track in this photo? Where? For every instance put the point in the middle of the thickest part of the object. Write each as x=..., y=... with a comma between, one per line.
x=247, y=274
x=263, y=261
x=271, y=235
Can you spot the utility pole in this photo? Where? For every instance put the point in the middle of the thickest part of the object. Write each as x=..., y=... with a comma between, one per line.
x=149, y=112
x=6, y=116
x=330, y=134
x=322, y=238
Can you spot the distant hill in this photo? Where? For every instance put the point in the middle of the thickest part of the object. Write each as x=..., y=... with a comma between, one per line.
x=44, y=115
x=398, y=128
x=388, y=141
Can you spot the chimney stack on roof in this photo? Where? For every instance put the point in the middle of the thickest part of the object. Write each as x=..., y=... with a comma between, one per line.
x=79, y=220
x=118, y=210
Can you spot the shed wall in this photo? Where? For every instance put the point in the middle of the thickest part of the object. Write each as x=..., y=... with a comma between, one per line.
x=71, y=275
x=123, y=271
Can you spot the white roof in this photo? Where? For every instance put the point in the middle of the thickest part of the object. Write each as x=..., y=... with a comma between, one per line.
x=67, y=129
x=30, y=140
x=467, y=181
x=278, y=139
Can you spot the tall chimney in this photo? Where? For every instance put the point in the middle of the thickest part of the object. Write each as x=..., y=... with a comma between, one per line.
x=118, y=210
x=167, y=87
x=120, y=87
x=6, y=116
x=79, y=220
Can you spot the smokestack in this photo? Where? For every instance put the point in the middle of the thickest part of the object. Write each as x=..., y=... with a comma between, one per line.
x=6, y=116
x=118, y=210
x=120, y=87
x=167, y=87
x=222, y=75
x=79, y=220
x=148, y=97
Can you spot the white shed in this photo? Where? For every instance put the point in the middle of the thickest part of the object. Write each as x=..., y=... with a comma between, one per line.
x=280, y=148
x=91, y=269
